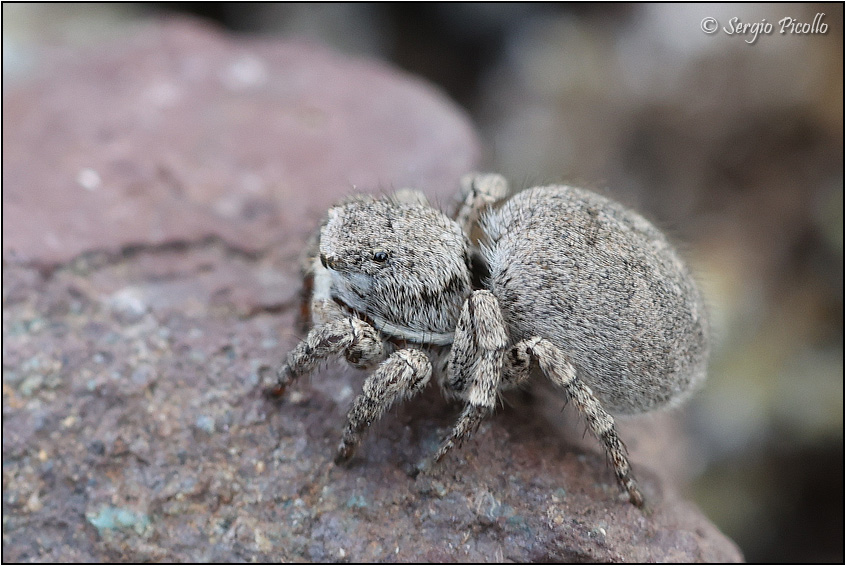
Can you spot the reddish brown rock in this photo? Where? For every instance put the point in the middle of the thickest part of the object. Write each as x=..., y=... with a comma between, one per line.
x=181, y=132
x=133, y=428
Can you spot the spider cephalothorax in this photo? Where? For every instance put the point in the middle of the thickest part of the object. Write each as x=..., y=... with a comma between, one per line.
x=412, y=288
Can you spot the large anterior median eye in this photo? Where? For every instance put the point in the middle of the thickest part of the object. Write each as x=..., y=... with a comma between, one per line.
x=380, y=256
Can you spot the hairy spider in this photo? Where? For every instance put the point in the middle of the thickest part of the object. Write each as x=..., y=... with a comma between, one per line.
x=561, y=279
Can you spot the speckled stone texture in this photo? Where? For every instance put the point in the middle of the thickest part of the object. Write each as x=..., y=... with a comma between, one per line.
x=157, y=195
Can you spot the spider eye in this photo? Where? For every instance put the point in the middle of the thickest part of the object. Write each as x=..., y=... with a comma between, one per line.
x=380, y=256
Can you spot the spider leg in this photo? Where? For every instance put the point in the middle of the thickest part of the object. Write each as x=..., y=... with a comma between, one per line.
x=356, y=339
x=474, y=369
x=410, y=196
x=477, y=192
x=562, y=373
x=404, y=374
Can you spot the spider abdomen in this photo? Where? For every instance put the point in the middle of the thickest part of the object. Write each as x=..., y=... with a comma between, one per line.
x=606, y=287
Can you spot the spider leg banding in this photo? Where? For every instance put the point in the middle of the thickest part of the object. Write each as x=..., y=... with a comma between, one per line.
x=402, y=376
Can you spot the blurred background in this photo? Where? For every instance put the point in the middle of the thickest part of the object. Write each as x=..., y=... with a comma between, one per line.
x=731, y=142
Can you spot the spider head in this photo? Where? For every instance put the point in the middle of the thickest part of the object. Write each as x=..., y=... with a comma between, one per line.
x=404, y=265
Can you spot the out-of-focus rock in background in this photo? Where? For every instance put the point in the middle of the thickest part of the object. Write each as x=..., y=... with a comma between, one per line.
x=734, y=147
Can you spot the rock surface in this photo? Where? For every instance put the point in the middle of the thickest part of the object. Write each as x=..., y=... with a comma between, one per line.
x=157, y=194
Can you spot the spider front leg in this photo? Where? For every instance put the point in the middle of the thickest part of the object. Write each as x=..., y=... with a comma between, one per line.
x=475, y=364
x=404, y=374
x=562, y=373
x=355, y=339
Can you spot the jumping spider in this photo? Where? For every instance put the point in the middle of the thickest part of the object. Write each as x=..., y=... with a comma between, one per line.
x=561, y=278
